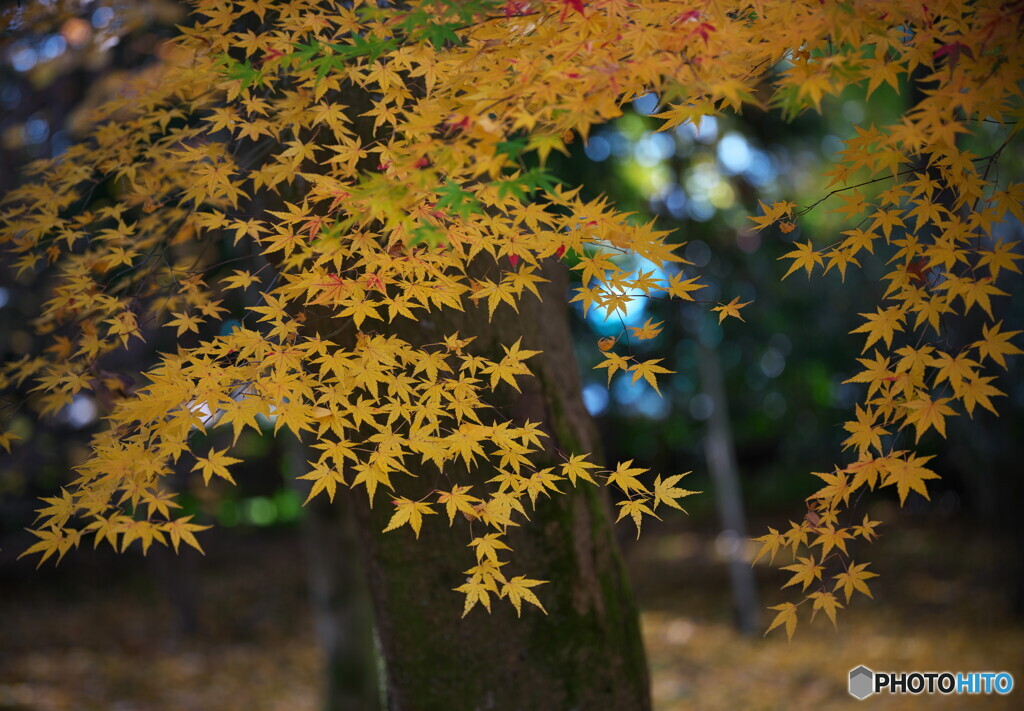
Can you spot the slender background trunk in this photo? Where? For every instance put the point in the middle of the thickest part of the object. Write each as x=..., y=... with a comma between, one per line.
x=339, y=595
x=720, y=453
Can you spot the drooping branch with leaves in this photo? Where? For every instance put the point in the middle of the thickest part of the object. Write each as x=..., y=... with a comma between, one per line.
x=294, y=187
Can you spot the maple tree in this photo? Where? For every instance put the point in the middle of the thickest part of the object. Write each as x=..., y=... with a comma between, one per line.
x=379, y=174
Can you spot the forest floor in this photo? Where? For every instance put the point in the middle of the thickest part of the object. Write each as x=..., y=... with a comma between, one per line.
x=99, y=633
x=938, y=605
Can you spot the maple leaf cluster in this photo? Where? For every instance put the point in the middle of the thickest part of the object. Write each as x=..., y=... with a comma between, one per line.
x=371, y=165
x=916, y=198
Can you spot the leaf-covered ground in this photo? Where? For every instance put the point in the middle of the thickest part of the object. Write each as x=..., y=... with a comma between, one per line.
x=938, y=607
x=98, y=633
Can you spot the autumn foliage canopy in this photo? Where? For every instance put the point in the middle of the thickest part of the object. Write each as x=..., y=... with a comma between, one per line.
x=379, y=164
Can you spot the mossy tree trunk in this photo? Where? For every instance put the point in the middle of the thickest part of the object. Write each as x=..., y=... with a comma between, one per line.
x=586, y=653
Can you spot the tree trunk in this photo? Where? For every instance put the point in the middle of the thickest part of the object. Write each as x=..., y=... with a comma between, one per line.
x=721, y=457
x=587, y=652
x=339, y=595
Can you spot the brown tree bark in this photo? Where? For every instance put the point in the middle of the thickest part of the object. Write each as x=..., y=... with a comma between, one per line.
x=587, y=652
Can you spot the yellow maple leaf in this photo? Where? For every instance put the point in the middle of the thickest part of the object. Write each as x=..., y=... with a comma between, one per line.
x=215, y=463
x=804, y=257
x=625, y=477
x=324, y=478
x=517, y=590
x=635, y=508
x=853, y=579
x=864, y=433
x=576, y=467
x=731, y=309
x=906, y=474
x=804, y=572
x=487, y=547
x=786, y=616
x=825, y=601
x=995, y=343
x=476, y=591
x=650, y=329
x=458, y=500
x=925, y=413
x=409, y=512
x=770, y=543
x=613, y=362
x=647, y=370
x=881, y=325
x=181, y=529
x=977, y=391
x=666, y=492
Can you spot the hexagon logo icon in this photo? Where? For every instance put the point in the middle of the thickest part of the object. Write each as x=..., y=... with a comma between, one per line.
x=862, y=682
